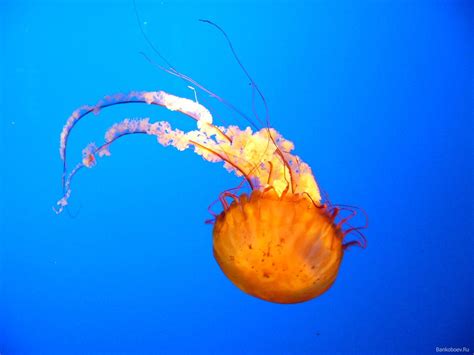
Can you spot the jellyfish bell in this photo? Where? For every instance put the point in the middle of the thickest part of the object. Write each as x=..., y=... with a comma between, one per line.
x=282, y=249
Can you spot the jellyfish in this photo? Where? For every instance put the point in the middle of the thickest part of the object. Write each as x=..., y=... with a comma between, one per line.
x=277, y=237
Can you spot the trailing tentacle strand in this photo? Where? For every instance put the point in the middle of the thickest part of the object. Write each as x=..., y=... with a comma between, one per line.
x=244, y=152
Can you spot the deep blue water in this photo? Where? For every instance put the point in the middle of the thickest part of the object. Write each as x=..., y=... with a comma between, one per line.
x=377, y=97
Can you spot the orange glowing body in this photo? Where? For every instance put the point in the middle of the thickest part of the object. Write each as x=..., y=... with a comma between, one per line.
x=280, y=249
x=280, y=243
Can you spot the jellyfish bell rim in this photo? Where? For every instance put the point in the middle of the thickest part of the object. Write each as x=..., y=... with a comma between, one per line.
x=279, y=248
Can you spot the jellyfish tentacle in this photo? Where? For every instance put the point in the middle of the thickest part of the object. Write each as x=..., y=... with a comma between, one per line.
x=247, y=177
x=173, y=71
x=240, y=150
x=83, y=111
x=262, y=97
x=150, y=43
x=355, y=208
x=209, y=92
x=63, y=201
x=268, y=188
x=160, y=98
x=325, y=196
x=360, y=209
x=229, y=194
x=270, y=172
x=89, y=161
x=361, y=242
x=236, y=57
x=320, y=206
x=333, y=212
x=356, y=230
x=344, y=220
x=209, y=208
x=188, y=79
x=335, y=209
x=223, y=202
x=221, y=133
x=287, y=165
x=237, y=188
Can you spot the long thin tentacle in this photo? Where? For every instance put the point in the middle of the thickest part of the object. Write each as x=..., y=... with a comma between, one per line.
x=254, y=85
x=262, y=97
x=173, y=71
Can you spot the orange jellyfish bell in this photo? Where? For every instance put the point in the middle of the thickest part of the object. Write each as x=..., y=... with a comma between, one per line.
x=282, y=249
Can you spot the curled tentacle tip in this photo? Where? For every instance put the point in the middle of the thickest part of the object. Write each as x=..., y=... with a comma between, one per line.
x=361, y=244
x=61, y=204
x=58, y=210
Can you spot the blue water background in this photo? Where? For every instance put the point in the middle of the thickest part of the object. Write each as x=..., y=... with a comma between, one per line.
x=377, y=97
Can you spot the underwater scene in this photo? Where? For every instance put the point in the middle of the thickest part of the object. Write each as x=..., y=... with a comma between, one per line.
x=236, y=177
